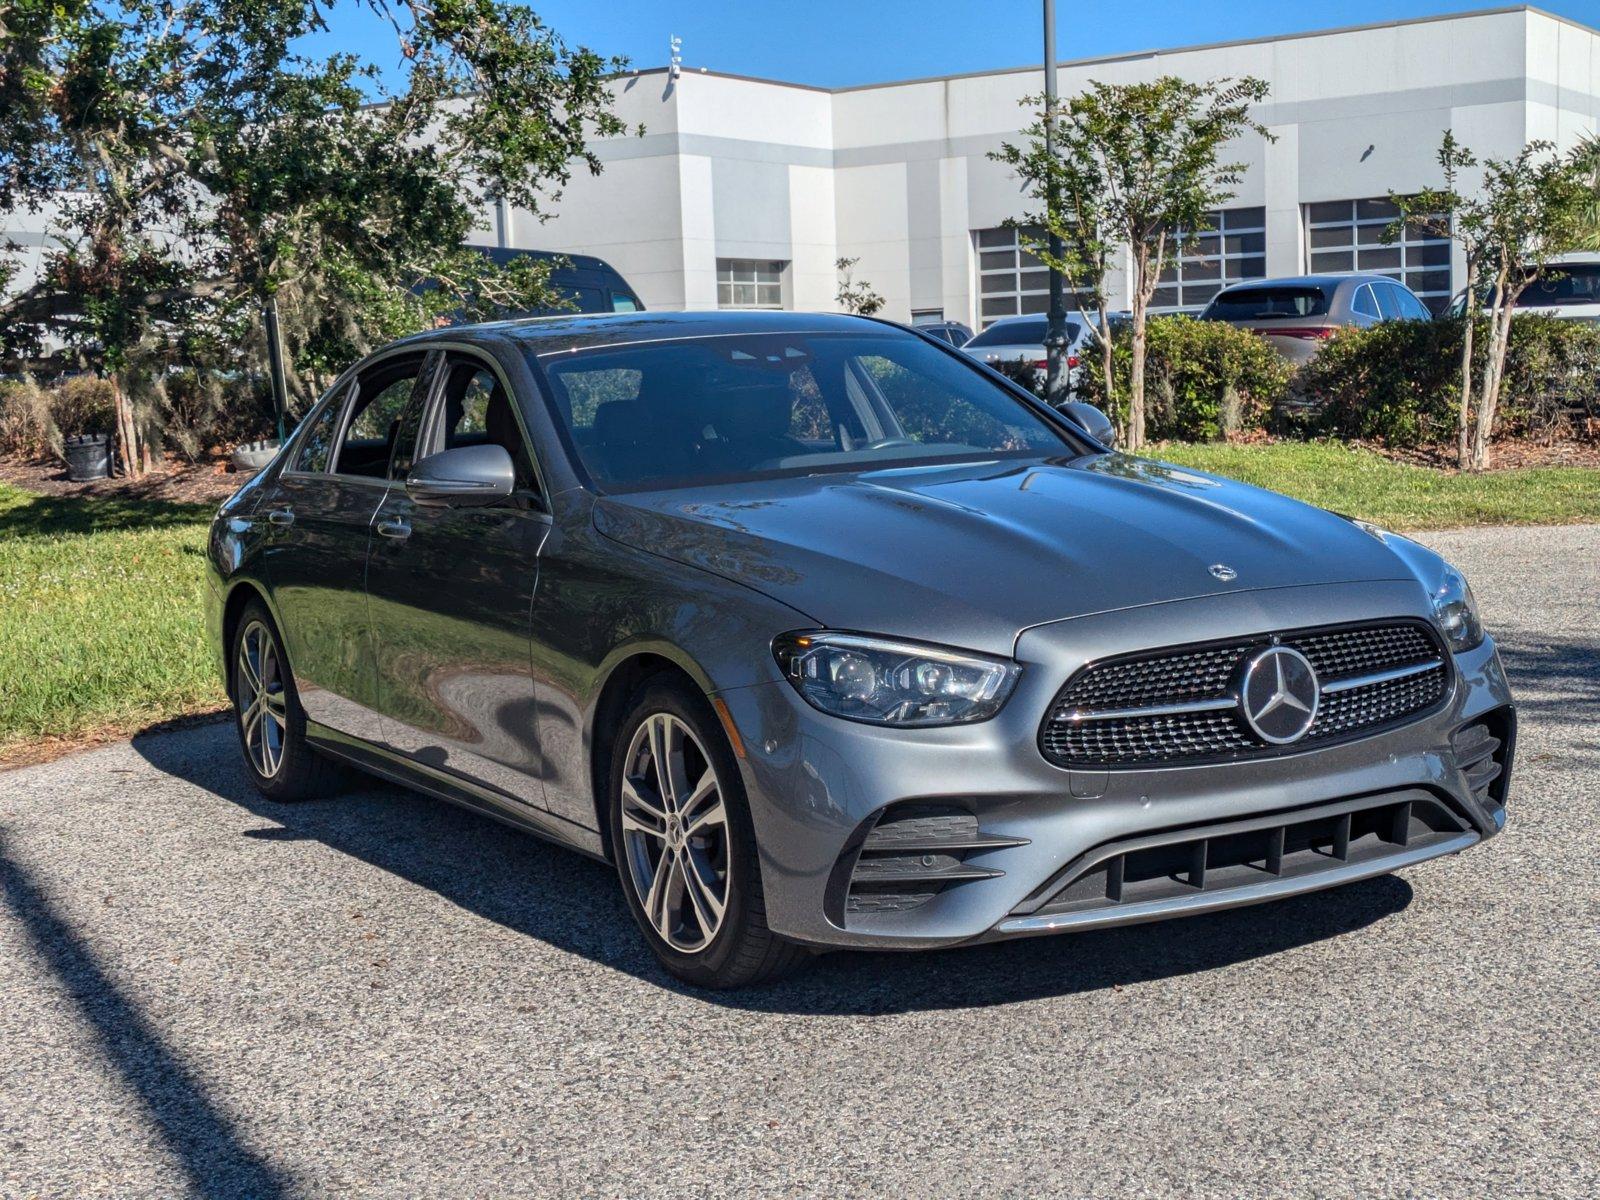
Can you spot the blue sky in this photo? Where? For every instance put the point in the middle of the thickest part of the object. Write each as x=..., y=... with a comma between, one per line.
x=835, y=43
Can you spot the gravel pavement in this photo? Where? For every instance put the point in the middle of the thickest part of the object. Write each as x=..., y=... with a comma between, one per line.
x=202, y=993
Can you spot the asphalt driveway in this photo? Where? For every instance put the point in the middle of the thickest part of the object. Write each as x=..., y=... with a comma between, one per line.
x=205, y=993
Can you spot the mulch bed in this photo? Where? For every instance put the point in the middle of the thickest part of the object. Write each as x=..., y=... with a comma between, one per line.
x=183, y=483
x=1503, y=456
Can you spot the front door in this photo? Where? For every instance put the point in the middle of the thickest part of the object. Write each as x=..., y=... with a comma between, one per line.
x=319, y=514
x=450, y=599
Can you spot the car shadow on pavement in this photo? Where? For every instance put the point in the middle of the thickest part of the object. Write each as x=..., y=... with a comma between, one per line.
x=575, y=904
x=197, y=1132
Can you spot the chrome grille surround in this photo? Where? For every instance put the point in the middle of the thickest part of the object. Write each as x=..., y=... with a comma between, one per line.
x=1180, y=705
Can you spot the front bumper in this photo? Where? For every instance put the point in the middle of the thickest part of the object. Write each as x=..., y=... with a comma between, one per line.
x=817, y=785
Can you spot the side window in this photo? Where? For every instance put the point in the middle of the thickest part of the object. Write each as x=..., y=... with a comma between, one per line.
x=622, y=302
x=474, y=409
x=317, y=441
x=1410, y=307
x=1389, y=301
x=1363, y=303
x=809, y=418
x=410, y=428
x=382, y=392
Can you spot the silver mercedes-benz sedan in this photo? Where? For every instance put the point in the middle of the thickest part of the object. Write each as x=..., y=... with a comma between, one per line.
x=825, y=634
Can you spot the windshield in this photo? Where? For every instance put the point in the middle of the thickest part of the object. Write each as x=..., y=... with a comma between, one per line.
x=1018, y=333
x=703, y=410
x=1563, y=283
x=1267, y=303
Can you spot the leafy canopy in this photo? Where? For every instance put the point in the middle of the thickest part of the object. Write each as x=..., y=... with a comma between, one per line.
x=194, y=161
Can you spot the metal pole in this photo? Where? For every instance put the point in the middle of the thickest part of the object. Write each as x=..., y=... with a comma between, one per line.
x=280, y=385
x=1055, y=339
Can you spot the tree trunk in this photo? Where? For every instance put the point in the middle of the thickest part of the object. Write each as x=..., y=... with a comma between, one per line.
x=1494, y=376
x=1136, y=382
x=1464, y=413
x=133, y=465
x=1108, y=371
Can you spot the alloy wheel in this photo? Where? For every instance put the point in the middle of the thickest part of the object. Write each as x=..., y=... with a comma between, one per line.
x=260, y=698
x=675, y=833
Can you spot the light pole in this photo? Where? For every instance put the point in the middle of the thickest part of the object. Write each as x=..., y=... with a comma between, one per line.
x=1055, y=338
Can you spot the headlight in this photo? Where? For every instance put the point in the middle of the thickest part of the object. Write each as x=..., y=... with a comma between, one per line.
x=893, y=683
x=1453, y=605
x=1457, y=612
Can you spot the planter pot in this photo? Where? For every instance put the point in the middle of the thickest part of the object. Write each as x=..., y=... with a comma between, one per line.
x=88, y=457
x=252, y=456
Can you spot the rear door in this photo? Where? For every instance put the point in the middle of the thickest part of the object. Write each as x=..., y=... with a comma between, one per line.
x=450, y=593
x=319, y=515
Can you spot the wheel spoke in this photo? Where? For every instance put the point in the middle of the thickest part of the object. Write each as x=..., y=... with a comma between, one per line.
x=661, y=732
x=708, y=906
x=657, y=904
x=704, y=808
x=248, y=674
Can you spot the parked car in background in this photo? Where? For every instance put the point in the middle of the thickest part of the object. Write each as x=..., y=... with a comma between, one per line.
x=1021, y=339
x=1297, y=315
x=952, y=332
x=1568, y=289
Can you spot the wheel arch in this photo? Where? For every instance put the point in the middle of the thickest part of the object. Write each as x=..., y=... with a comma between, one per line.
x=630, y=671
x=240, y=593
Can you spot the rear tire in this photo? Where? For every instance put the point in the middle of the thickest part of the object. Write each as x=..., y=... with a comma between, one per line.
x=268, y=717
x=684, y=844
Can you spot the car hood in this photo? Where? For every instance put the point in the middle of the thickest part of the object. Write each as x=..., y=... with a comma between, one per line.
x=971, y=555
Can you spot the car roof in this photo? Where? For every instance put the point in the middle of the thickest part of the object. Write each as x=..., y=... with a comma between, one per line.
x=575, y=331
x=1313, y=280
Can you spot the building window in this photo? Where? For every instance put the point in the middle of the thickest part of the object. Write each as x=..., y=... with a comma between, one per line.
x=1232, y=248
x=1347, y=235
x=1010, y=280
x=749, y=283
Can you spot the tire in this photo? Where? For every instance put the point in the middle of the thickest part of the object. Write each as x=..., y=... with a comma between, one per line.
x=658, y=845
x=272, y=733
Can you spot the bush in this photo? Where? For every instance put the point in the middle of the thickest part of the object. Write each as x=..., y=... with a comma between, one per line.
x=83, y=404
x=35, y=421
x=26, y=429
x=1400, y=382
x=1204, y=380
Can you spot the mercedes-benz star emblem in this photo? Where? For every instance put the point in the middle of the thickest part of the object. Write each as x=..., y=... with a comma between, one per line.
x=1279, y=695
x=1223, y=572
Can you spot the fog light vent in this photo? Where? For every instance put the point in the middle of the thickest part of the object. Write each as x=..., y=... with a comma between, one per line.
x=915, y=851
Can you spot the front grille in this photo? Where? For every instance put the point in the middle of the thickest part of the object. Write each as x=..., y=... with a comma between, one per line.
x=1180, y=705
x=1216, y=858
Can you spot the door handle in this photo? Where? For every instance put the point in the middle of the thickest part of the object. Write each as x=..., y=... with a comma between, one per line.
x=281, y=516
x=394, y=527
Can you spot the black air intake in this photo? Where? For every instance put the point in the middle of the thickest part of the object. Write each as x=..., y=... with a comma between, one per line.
x=910, y=854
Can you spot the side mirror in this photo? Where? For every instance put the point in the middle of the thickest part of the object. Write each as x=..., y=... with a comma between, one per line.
x=466, y=476
x=1091, y=420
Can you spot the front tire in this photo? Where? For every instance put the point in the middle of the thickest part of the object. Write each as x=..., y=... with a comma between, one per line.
x=268, y=717
x=684, y=844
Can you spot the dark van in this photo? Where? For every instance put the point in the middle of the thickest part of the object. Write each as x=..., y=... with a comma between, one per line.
x=591, y=284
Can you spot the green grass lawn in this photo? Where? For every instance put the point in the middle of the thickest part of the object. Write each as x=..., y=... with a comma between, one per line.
x=1360, y=483
x=100, y=619
x=101, y=630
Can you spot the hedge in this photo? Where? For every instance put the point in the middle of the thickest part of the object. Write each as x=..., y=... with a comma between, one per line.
x=1399, y=382
x=1204, y=380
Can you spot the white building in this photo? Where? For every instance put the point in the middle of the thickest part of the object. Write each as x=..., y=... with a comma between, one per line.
x=743, y=192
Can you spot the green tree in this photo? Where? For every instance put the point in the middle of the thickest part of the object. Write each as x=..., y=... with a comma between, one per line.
x=1132, y=164
x=195, y=164
x=1075, y=189
x=852, y=296
x=1526, y=211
